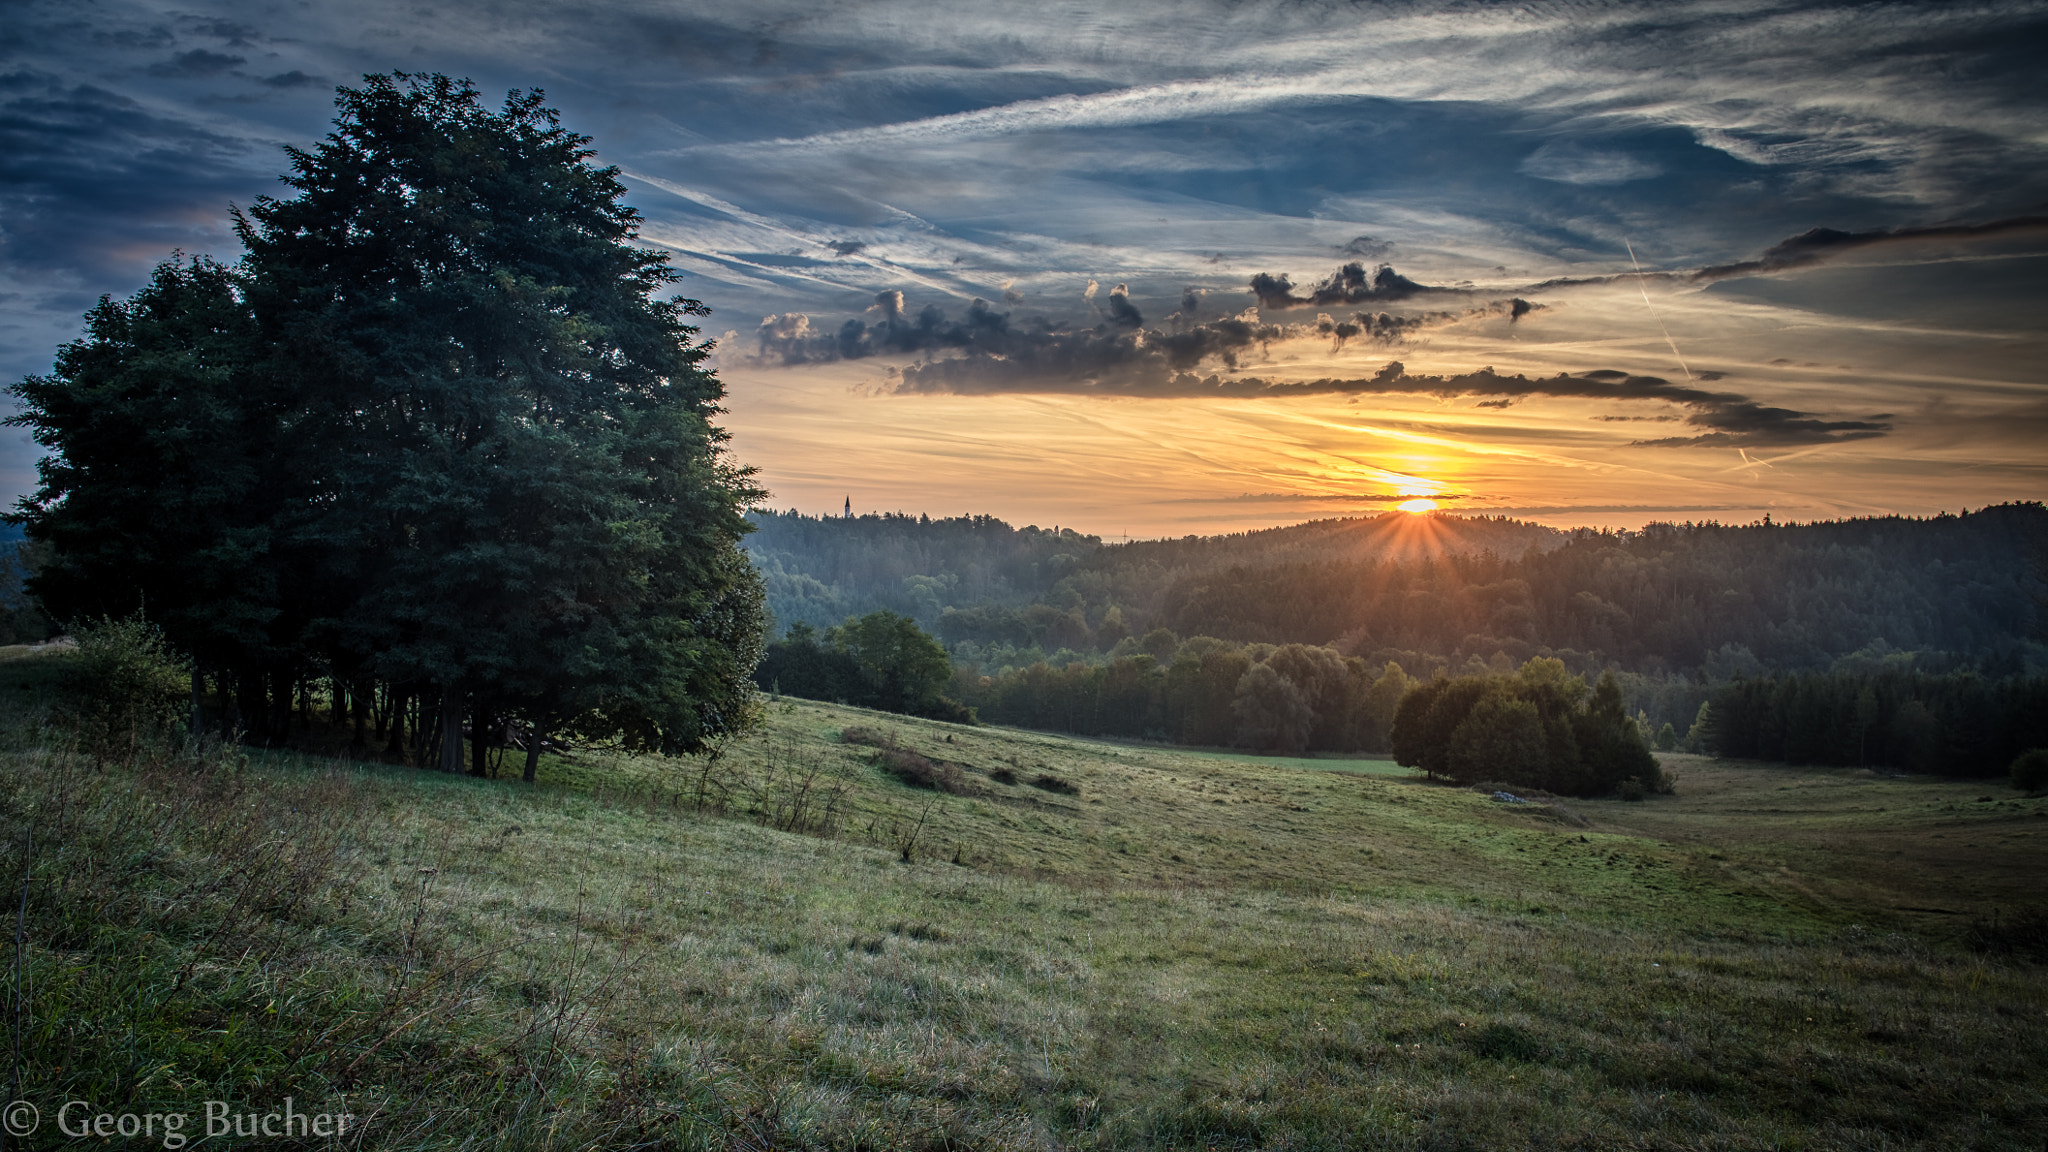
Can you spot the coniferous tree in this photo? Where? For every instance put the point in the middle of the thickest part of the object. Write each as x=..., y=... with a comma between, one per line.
x=165, y=491
x=509, y=431
x=439, y=429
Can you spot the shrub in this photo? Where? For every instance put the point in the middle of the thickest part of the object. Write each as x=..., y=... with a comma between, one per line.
x=127, y=687
x=1632, y=789
x=921, y=772
x=869, y=737
x=1051, y=783
x=2030, y=770
x=1003, y=776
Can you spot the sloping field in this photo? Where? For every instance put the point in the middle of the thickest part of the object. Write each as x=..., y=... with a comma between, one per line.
x=1154, y=949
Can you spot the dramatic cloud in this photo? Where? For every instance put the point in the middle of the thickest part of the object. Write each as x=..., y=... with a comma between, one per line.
x=198, y=62
x=1120, y=346
x=1348, y=285
x=87, y=175
x=1129, y=368
x=803, y=161
x=1821, y=244
x=1812, y=247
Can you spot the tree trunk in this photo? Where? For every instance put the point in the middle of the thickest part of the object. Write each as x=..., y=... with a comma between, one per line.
x=358, y=710
x=540, y=727
x=198, y=702
x=479, y=738
x=253, y=711
x=396, y=745
x=451, y=730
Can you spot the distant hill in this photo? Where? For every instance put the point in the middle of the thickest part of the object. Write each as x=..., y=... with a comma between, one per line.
x=821, y=569
x=1955, y=591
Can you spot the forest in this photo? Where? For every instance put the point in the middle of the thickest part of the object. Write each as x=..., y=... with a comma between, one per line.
x=1695, y=599
x=1897, y=642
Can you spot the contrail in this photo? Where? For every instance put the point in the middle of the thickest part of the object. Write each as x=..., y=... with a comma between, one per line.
x=1653, y=308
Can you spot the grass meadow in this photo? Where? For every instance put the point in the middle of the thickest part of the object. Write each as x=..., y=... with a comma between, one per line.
x=788, y=948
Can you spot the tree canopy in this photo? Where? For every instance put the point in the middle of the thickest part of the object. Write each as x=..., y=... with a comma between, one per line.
x=439, y=430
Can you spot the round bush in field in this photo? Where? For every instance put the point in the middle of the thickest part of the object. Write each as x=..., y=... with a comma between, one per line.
x=2030, y=770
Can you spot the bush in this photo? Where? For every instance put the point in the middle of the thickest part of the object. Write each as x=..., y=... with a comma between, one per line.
x=921, y=772
x=1051, y=783
x=870, y=737
x=127, y=687
x=2030, y=770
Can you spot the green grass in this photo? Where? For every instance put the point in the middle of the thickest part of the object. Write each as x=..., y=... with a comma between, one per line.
x=1199, y=950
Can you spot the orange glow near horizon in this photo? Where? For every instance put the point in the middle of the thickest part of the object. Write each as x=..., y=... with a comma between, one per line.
x=1418, y=505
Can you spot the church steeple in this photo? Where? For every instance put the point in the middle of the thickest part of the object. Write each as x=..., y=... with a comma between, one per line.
x=848, y=515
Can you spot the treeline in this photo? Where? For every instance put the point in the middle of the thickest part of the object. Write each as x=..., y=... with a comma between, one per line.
x=1278, y=698
x=1663, y=599
x=1698, y=600
x=1959, y=724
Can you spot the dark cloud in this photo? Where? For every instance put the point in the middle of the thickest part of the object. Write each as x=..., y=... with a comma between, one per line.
x=195, y=64
x=1350, y=284
x=236, y=35
x=93, y=181
x=1121, y=312
x=1366, y=248
x=1809, y=248
x=156, y=36
x=1119, y=347
x=1123, y=366
x=291, y=79
x=845, y=247
x=1820, y=244
x=790, y=338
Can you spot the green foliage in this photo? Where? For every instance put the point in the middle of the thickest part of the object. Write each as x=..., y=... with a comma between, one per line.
x=1721, y=600
x=1501, y=738
x=880, y=660
x=167, y=478
x=1539, y=729
x=441, y=428
x=2029, y=772
x=127, y=687
x=1959, y=724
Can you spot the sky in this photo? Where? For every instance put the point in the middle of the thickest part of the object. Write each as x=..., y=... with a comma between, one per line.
x=1150, y=269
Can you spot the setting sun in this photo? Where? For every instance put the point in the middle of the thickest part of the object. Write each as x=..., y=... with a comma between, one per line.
x=1419, y=504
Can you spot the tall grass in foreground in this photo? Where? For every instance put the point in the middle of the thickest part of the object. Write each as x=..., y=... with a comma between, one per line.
x=461, y=963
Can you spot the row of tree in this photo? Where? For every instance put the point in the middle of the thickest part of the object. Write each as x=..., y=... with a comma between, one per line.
x=1959, y=724
x=437, y=440
x=1279, y=698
